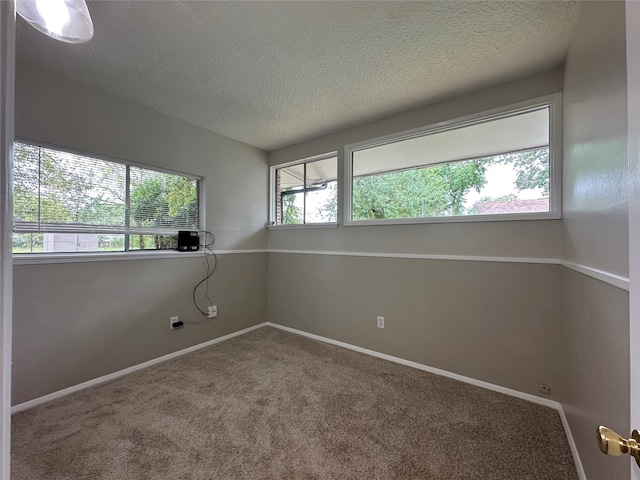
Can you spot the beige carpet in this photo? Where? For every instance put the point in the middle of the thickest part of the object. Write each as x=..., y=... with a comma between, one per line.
x=273, y=405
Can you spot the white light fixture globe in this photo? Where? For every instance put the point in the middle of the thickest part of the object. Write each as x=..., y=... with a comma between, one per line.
x=65, y=20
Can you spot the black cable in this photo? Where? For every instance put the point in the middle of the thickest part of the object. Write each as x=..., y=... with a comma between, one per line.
x=210, y=272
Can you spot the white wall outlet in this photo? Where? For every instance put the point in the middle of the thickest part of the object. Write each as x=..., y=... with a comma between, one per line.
x=380, y=322
x=544, y=388
x=173, y=320
x=213, y=311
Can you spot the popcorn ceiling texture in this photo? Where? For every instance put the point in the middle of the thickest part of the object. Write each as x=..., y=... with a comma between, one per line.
x=275, y=73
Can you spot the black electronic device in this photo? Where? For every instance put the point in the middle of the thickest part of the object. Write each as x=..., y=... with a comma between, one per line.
x=188, y=241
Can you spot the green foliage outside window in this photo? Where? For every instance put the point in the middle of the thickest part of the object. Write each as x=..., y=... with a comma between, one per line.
x=425, y=192
x=440, y=190
x=55, y=190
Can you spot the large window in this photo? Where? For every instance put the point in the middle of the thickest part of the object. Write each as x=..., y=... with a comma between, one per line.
x=305, y=192
x=498, y=166
x=66, y=202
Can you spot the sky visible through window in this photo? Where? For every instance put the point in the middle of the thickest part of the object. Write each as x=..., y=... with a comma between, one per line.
x=511, y=183
x=66, y=202
x=501, y=180
x=500, y=183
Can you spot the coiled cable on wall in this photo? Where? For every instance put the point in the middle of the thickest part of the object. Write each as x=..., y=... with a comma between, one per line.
x=212, y=267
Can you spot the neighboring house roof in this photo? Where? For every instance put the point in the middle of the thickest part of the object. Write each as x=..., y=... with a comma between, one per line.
x=513, y=206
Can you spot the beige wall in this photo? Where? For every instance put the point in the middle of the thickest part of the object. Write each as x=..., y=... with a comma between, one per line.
x=512, y=239
x=493, y=321
x=577, y=326
x=585, y=321
x=73, y=322
x=595, y=315
x=59, y=111
x=528, y=239
x=479, y=101
x=512, y=324
x=594, y=384
x=77, y=321
x=595, y=172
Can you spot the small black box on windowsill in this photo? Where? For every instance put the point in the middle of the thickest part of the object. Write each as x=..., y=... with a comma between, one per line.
x=188, y=241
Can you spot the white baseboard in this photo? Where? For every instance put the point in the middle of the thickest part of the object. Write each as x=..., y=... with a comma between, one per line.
x=120, y=373
x=572, y=445
x=444, y=373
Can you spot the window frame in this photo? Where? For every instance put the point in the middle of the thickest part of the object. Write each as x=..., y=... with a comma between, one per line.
x=272, y=192
x=64, y=257
x=553, y=102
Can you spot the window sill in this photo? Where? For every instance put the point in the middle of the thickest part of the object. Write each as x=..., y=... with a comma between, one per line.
x=305, y=225
x=44, y=258
x=461, y=219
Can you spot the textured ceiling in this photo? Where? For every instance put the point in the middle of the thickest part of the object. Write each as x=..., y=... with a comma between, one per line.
x=275, y=73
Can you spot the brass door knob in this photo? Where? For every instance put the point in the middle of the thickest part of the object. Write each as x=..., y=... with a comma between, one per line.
x=613, y=444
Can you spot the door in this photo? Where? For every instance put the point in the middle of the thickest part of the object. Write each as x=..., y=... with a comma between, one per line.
x=7, y=72
x=633, y=112
x=609, y=441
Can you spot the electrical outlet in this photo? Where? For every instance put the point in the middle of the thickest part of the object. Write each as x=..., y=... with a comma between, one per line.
x=544, y=388
x=213, y=311
x=173, y=320
x=380, y=322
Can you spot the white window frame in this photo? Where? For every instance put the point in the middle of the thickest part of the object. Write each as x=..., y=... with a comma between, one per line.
x=272, y=192
x=73, y=257
x=554, y=102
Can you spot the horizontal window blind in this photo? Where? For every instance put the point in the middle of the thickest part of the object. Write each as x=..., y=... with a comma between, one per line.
x=57, y=192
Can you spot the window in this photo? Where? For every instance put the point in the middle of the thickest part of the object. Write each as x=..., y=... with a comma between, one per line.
x=305, y=192
x=493, y=167
x=68, y=202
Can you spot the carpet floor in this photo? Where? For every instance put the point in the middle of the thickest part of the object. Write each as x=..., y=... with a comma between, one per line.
x=274, y=405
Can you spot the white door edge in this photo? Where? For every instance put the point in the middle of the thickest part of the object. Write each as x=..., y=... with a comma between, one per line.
x=633, y=103
x=7, y=79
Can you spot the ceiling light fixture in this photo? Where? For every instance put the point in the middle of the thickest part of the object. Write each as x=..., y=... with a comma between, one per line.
x=65, y=20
